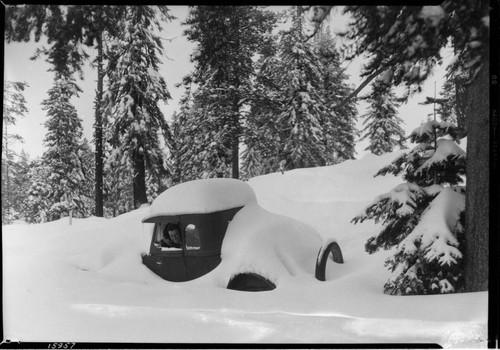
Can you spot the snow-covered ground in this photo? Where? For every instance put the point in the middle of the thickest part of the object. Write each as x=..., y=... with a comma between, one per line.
x=86, y=282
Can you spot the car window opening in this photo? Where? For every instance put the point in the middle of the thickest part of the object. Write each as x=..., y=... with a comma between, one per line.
x=168, y=236
x=192, y=237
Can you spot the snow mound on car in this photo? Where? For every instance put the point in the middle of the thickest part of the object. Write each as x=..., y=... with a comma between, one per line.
x=271, y=245
x=201, y=197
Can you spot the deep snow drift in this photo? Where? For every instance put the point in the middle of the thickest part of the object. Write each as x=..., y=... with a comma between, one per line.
x=86, y=282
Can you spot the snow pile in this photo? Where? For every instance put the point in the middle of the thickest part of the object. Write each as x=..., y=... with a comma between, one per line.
x=202, y=196
x=86, y=282
x=273, y=246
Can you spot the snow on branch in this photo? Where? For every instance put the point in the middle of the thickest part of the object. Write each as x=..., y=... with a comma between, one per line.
x=398, y=202
x=447, y=151
x=425, y=132
x=435, y=231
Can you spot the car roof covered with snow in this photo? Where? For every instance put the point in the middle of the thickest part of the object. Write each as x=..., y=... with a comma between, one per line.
x=201, y=197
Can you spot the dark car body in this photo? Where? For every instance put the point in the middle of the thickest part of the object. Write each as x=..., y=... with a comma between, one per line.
x=200, y=252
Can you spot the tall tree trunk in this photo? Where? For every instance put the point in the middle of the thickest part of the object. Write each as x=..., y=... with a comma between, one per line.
x=139, y=183
x=460, y=110
x=99, y=169
x=235, y=158
x=478, y=171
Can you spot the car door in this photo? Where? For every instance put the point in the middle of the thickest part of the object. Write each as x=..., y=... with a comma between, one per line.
x=168, y=263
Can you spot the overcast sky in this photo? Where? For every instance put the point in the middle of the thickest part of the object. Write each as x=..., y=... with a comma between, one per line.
x=19, y=67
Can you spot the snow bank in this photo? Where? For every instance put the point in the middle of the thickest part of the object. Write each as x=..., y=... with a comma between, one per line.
x=202, y=196
x=86, y=282
x=350, y=181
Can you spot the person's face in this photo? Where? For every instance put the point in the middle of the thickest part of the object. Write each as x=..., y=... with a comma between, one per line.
x=175, y=236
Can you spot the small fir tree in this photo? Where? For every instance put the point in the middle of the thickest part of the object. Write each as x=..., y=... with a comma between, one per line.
x=423, y=218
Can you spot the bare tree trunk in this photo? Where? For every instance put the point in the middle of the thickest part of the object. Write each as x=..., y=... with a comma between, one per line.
x=478, y=171
x=139, y=183
x=235, y=159
x=99, y=169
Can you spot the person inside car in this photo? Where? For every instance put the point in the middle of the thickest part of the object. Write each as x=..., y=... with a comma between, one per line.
x=171, y=236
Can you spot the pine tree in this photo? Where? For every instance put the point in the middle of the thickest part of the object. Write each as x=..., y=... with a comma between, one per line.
x=423, y=218
x=200, y=152
x=290, y=96
x=20, y=184
x=339, y=121
x=227, y=39
x=134, y=91
x=262, y=154
x=14, y=107
x=382, y=124
x=39, y=193
x=63, y=142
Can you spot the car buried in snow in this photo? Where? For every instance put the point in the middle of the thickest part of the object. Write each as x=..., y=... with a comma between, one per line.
x=214, y=229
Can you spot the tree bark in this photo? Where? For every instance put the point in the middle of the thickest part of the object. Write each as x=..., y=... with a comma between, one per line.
x=235, y=159
x=99, y=169
x=478, y=170
x=139, y=182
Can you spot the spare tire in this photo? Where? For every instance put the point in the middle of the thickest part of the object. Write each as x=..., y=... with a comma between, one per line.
x=323, y=254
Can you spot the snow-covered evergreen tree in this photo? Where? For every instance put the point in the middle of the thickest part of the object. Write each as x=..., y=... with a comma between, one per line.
x=263, y=151
x=39, y=193
x=201, y=153
x=63, y=142
x=382, y=124
x=14, y=107
x=135, y=89
x=339, y=122
x=291, y=97
x=227, y=39
x=20, y=184
x=303, y=105
x=423, y=218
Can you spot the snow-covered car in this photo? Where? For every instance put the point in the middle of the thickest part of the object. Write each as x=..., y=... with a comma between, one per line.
x=225, y=234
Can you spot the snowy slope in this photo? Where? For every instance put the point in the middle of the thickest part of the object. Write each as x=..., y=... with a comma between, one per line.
x=86, y=282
